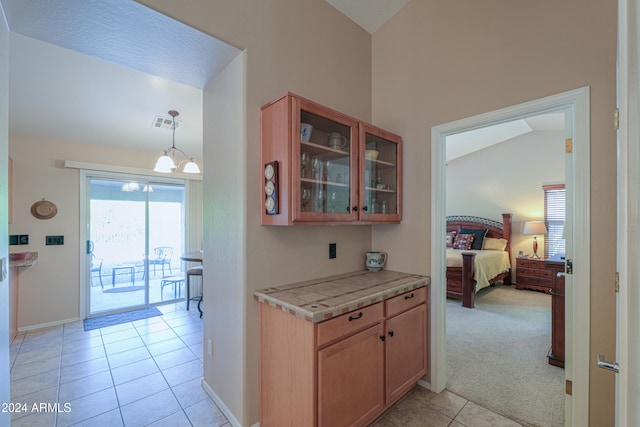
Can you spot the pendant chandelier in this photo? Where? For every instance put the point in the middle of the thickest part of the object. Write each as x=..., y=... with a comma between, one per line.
x=166, y=162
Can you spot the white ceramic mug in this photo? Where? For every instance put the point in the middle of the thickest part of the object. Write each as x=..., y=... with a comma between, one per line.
x=305, y=131
x=375, y=261
x=336, y=140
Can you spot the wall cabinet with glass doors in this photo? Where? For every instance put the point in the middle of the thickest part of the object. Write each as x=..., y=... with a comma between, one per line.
x=324, y=167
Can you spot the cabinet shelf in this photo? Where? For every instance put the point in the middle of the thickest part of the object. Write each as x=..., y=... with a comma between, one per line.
x=322, y=182
x=381, y=163
x=328, y=152
x=380, y=190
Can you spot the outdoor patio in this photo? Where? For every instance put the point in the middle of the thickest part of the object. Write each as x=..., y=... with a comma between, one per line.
x=123, y=285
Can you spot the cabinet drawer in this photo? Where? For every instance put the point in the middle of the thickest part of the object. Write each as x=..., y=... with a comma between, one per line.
x=541, y=272
x=531, y=280
x=529, y=263
x=348, y=323
x=406, y=301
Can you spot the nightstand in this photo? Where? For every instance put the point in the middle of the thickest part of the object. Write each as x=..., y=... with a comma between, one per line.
x=532, y=273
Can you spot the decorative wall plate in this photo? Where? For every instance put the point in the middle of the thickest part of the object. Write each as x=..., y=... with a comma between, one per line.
x=44, y=209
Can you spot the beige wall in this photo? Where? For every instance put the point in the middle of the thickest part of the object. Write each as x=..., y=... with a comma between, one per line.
x=476, y=183
x=49, y=292
x=436, y=62
x=311, y=49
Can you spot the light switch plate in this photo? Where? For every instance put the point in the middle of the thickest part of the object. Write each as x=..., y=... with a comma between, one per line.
x=54, y=240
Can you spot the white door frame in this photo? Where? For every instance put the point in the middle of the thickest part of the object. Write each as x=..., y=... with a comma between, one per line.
x=577, y=101
x=628, y=165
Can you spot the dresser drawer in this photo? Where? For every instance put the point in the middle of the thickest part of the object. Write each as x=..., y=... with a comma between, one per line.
x=532, y=280
x=346, y=324
x=539, y=272
x=405, y=301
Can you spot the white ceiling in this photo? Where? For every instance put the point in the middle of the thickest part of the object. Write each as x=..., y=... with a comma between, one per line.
x=369, y=14
x=464, y=143
x=98, y=72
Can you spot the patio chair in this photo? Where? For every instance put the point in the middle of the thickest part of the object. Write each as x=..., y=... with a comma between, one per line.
x=161, y=256
x=96, y=267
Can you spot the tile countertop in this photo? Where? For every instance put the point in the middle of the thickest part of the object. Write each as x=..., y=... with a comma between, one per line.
x=323, y=298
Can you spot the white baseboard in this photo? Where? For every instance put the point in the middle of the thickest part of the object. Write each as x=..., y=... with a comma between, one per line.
x=424, y=384
x=227, y=413
x=47, y=325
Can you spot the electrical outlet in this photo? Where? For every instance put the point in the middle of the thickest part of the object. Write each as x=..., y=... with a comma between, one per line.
x=332, y=250
x=23, y=239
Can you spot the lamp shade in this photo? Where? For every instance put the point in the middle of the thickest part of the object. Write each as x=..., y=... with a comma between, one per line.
x=534, y=228
x=165, y=164
x=191, y=167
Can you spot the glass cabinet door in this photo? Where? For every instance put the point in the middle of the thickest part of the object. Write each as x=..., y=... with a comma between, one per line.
x=325, y=148
x=381, y=177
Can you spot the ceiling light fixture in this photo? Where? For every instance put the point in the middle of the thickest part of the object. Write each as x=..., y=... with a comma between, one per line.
x=166, y=163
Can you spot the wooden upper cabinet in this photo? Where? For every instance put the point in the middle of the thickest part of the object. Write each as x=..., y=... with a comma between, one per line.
x=329, y=167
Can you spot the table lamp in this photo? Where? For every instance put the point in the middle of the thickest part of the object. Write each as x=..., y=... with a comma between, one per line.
x=534, y=228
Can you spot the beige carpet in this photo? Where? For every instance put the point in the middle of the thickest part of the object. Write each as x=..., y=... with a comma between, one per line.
x=497, y=355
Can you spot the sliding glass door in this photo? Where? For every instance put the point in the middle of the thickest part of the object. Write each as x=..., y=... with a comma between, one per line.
x=135, y=235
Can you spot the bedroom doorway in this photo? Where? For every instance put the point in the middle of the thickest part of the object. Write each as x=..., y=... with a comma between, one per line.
x=576, y=106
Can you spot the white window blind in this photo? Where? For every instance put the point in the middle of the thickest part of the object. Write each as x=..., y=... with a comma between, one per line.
x=554, y=218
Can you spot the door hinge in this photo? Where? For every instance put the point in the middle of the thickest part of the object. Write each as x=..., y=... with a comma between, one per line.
x=569, y=267
x=617, y=282
x=616, y=119
x=568, y=145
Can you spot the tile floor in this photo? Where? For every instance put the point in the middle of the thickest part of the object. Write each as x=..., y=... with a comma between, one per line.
x=422, y=408
x=148, y=372
x=140, y=373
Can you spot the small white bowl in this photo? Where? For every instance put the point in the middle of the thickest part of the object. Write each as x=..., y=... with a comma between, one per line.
x=371, y=154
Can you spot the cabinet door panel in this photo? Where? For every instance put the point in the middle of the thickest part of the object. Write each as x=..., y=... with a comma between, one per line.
x=406, y=351
x=380, y=175
x=325, y=148
x=350, y=380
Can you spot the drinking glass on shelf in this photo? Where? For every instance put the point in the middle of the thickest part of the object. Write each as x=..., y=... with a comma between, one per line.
x=320, y=198
x=328, y=167
x=316, y=165
x=304, y=163
x=306, y=198
x=332, y=199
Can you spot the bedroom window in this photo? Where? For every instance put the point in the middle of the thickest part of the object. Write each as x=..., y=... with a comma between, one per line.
x=554, y=216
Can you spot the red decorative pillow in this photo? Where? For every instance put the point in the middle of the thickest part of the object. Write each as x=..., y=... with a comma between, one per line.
x=451, y=235
x=463, y=241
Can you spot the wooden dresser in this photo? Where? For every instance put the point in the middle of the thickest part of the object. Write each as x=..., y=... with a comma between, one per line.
x=532, y=273
x=556, y=353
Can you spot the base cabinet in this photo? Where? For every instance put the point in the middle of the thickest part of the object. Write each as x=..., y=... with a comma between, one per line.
x=406, y=346
x=343, y=372
x=350, y=372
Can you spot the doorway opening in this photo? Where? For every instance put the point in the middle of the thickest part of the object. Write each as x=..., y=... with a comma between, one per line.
x=497, y=350
x=576, y=103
